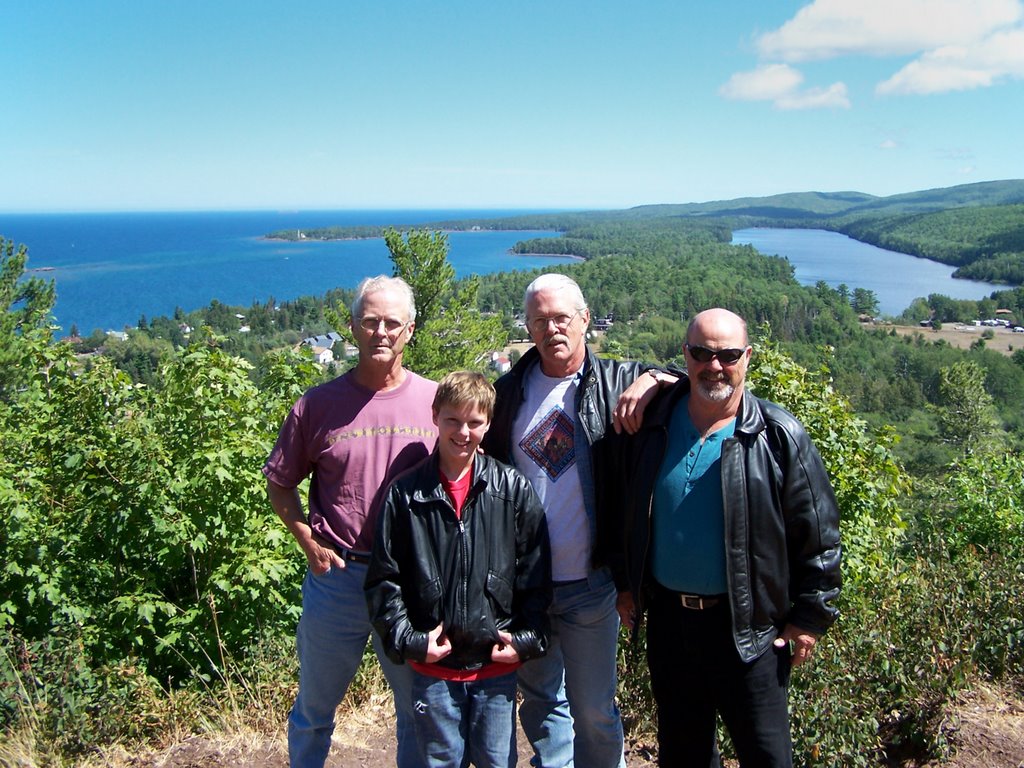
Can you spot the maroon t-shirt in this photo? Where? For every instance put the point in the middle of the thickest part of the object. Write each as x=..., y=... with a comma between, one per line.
x=353, y=442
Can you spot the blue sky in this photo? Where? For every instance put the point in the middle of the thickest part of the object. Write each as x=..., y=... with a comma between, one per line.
x=185, y=105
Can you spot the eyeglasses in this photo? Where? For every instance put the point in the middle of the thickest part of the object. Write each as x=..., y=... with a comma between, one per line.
x=705, y=355
x=540, y=324
x=391, y=326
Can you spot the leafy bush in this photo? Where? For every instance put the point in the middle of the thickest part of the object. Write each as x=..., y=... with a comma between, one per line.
x=982, y=507
x=139, y=514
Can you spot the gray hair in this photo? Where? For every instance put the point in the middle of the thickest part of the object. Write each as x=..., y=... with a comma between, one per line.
x=382, y=283
x=555, y=281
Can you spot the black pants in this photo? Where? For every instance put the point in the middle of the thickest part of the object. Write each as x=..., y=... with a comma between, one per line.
x=696, y=672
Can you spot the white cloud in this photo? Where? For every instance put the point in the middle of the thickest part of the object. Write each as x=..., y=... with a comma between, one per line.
x=958, y=44
x=780, y=84
x=960, y=68
x=889, y=144
x=830, y=28
x=766, y=82
x=834, y=96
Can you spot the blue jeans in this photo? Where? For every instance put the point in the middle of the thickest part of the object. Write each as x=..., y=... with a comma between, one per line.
x=462, y=723
x=569, y=711
x=331, y=640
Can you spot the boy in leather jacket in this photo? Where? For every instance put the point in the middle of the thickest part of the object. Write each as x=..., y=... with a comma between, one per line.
x=459, y=583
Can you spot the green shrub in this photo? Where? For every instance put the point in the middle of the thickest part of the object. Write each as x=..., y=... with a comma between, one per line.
x=138, y=515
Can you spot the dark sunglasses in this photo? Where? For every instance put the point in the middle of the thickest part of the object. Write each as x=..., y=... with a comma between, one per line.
x=705, y=355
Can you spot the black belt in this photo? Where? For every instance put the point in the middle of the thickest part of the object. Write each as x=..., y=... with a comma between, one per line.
x=363, y=558
x=568, y=583
x=692, y=602
x=699, y=602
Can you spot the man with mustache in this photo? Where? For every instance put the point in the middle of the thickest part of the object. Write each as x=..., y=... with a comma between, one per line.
x=732, y=549
x=554, y=421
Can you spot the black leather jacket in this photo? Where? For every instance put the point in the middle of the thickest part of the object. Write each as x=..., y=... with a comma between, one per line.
x=781, y=520
x=603, y=382
x=487, y=571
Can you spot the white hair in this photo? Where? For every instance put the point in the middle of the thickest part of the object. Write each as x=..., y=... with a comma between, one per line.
x=555, y=281
x=382, y=283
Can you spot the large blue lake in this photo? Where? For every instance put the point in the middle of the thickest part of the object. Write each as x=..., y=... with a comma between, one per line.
x=110, y=269
x=896, y=278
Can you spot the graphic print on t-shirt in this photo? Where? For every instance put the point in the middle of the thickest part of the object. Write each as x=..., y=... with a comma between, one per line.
x=550, y=443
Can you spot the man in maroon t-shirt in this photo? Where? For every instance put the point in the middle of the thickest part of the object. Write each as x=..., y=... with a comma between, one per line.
x=352, y=436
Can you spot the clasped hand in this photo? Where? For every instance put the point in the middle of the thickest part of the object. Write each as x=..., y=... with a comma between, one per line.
x=439, y=646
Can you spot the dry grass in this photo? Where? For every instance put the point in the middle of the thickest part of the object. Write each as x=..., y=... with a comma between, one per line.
x=987, y=729
x=984, y=725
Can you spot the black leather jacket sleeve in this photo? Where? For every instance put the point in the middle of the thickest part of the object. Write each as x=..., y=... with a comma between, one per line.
x=810, y=517
x=530, y=626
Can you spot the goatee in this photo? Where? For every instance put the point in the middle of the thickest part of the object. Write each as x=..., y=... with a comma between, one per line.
x=716, y=391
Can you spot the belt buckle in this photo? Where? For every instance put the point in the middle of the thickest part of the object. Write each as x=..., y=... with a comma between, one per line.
x=693, y=602
x=352, y=557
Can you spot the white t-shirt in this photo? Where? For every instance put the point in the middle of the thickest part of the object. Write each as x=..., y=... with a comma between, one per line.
x=546, y=454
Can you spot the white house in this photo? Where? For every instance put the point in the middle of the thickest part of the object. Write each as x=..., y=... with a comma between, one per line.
x=323, y=355
x=500, y=363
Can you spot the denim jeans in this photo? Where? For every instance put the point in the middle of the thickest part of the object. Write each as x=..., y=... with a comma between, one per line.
x=569, y=711
x=696, y=671
x=458, y=723
x=331, y=640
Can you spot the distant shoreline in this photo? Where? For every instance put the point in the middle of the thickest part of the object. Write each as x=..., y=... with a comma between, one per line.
x=268, y=238
x=449, y=231
x=572, y=256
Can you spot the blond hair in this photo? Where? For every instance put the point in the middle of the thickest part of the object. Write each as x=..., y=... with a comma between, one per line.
x=465, y=388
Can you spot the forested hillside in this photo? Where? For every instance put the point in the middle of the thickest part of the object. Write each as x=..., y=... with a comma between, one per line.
x=985, y=242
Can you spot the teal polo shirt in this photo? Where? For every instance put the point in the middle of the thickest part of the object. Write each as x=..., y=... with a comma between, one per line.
x=688, y=527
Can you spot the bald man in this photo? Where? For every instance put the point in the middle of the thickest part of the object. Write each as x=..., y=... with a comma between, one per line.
x=732, y=552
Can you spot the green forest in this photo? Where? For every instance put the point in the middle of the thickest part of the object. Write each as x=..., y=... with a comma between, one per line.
x=147, y=587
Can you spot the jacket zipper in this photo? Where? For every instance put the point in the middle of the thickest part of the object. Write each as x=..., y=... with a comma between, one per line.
x=464, y=584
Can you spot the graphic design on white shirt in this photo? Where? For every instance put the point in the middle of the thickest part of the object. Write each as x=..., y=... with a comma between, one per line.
x=550, y=443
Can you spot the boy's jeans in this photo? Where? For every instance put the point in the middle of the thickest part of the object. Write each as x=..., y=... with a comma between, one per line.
x=458, y=723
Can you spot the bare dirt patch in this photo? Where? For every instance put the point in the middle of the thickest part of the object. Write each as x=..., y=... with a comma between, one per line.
x=987, y=730
x=984, y=726
x=1003, y=340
